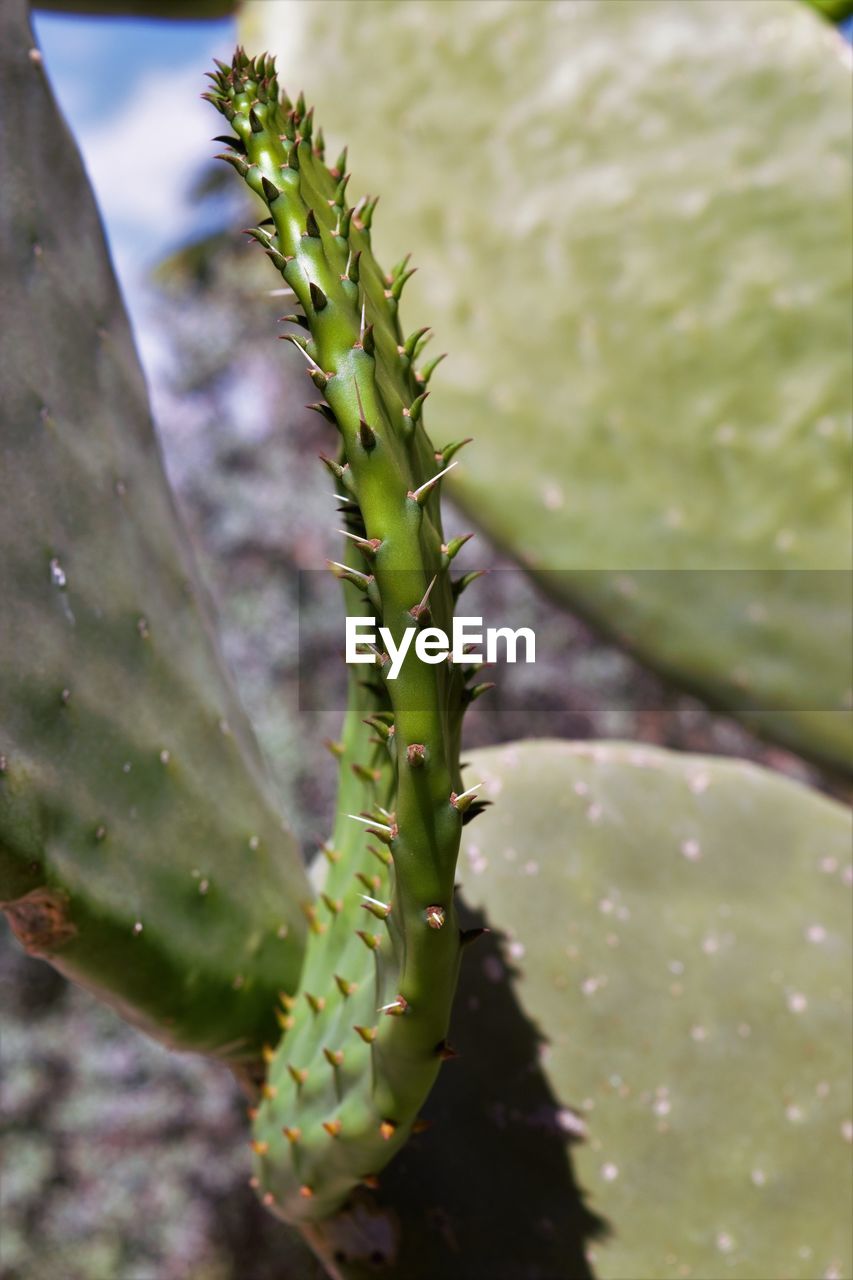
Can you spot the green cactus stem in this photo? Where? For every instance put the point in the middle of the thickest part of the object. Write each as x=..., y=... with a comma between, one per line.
x=366, y=1034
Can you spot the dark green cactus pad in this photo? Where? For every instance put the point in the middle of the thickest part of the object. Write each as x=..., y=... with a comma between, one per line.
x=641, y=271
x=140, y=848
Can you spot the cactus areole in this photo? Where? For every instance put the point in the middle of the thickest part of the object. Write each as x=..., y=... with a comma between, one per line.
x=365, y=1036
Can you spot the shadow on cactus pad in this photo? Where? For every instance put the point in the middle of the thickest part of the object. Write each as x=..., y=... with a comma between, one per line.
x=487, y=1190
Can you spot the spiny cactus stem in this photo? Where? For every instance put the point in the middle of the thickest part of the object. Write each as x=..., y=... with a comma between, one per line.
x=404, y=853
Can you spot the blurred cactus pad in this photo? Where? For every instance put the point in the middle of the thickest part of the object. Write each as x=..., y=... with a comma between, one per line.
x=633, y=227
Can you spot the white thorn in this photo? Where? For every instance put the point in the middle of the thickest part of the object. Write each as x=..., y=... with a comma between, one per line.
x=427, y=483
x=309, y=358
x=369, y=822
x=359, y=542
x=419, y=608
x=469, y=792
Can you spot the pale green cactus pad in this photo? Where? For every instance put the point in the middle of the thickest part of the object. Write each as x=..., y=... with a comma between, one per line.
x=633, y=227
x=680, y=928
x=140, y=848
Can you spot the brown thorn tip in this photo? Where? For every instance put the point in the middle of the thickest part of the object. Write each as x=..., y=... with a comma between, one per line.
x=333, y=1128
x=387, y=1129
x=306, y=1192
x=292, y=1135
x=259, y=1148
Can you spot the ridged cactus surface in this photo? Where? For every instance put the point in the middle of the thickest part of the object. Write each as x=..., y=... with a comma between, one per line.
x=643, y=279
x=140, y=848
x=365, y=1035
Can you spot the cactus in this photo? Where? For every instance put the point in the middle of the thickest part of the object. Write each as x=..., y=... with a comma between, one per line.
x=140, y=847
x=366, y=1034
x=675, y=307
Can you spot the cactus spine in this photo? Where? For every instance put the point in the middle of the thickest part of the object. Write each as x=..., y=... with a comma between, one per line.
x=366, y=1034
